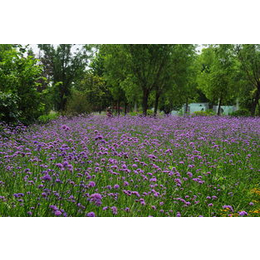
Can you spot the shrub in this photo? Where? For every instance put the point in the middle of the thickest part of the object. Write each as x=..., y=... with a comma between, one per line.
x=43, y=119
x=241, y=112
x=204, y=113
x=9, y=111
x=78, y=104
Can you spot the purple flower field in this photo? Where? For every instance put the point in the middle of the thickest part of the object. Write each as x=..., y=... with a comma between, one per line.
x=132, y=167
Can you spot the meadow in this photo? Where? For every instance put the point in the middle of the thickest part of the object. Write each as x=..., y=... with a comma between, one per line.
x=96, y=166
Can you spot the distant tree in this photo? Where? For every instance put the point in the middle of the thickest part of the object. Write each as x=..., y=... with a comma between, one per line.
x=182, y=77
x=249, y=57
x=62, y=68
x=217, y=77
x=95, y=91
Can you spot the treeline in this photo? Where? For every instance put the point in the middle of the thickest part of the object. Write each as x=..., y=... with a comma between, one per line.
x=73, y=79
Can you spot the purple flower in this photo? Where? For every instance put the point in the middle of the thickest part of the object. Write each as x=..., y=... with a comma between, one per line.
x=59, y=165
x=210, y=205
x=57, y=213
x=178, y=214
x=178, y=181
x=46, y=177
x=96, y=196
x=251, y=203
x=91, y=214
x=228, y=207
x=189, y=174
x=243, y=213
x=53, y=207
x=116, y=186
x=114, y=210
x=92, y=184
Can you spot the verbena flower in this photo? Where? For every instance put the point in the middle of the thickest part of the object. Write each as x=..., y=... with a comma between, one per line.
x=91, y=214
x=242, y=213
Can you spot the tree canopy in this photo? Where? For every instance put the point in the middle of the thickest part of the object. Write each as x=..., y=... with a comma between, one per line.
x=136, y=78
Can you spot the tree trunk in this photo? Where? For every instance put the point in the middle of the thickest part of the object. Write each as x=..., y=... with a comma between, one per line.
x=157, y=96
x=118, y=107
x=125, y=108
x=145, y=102
x=186, y=106
x=255, y=103
x=219, y=106
x=135, y=107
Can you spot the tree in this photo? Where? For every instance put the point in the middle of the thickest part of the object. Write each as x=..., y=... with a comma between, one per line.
x=115, y=65
x=95, y=91
x=62, y=68
x=19, y=75
x=178, y=83
x=249, y=57
x=217, y=78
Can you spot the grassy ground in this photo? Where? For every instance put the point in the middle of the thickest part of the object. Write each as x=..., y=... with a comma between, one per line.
x=132, y=166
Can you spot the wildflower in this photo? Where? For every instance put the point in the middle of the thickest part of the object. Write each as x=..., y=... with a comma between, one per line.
x=243, y=213
x=53, y=207
x=114, y=210
x=92, y=184
x=178, y=181
x=189, y=174
x=178, y=214
x=210, y=204
x=91, y=214
x=228, y=207
x=96, y=198
x=57, y=213
x=46, y=177
x=251, y=203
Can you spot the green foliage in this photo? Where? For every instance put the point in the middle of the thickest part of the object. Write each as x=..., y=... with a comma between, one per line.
x=204, y=113
x=19, y=75
x=241, y=112
x=249, y=58
x=78, y=104
x=96, y=92
x=217, y=75
x=9, y=111
x=43, y=119
x=63, y=69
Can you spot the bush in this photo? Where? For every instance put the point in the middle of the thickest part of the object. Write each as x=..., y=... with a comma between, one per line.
x=204, y=113
x=241, y=112
x=43, y=119
x=78, y=104
x=9, y=111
